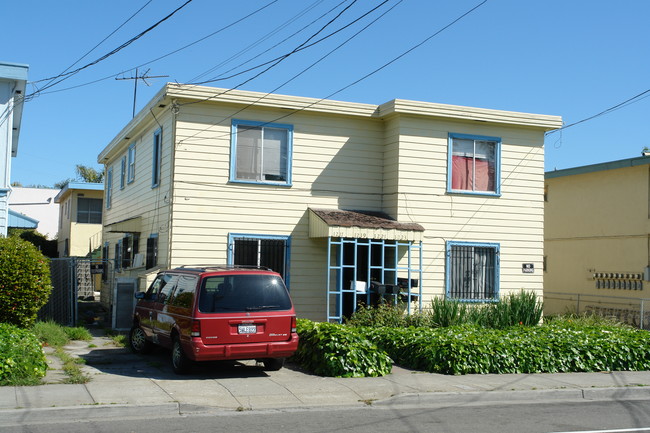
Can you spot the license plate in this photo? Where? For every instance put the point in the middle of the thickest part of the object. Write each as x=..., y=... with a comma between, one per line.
x=247, y=329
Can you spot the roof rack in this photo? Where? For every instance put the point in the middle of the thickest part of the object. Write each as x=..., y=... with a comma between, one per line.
x=221, y=266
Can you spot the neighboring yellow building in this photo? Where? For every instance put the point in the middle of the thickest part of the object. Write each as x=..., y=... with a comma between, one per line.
x=80, y=218
x=597, y=239
x=346, y=200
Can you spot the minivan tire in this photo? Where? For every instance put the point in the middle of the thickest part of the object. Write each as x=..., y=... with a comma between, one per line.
x=273, y=364
x=180, y=361
x=138, y=341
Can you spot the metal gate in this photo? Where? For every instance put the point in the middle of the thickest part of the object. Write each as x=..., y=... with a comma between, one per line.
x=74, y=279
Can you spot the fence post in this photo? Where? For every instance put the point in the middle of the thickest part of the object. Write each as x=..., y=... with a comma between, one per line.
x=578, y=305
x=642, y=314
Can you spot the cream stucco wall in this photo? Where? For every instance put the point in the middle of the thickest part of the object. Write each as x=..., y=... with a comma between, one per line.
x=596, y=222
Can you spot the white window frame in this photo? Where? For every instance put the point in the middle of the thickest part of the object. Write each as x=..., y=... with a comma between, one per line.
x=131, y=164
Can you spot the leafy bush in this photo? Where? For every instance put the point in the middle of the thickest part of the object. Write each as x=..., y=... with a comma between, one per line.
x=40, y=241
x=519, y=349
x=22, y=361
x=521, y=308
x=329, y=349
x=24, y=281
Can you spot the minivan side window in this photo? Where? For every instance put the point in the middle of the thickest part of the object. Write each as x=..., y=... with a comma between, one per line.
x=159, y=283
x=184, y=294
x=166, y=290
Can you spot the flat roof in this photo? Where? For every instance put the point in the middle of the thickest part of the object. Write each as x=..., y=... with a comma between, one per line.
x=81, y=186
x=612, y=165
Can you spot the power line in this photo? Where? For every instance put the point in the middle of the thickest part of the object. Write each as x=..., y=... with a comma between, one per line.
x=102, y=41
x=265, y=37
x=436, y=33
x=64, y=76
x=632, y=100
x=303, y=71
x=164, y=55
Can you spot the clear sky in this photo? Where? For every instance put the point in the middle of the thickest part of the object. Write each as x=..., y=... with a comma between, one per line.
x=572, y=58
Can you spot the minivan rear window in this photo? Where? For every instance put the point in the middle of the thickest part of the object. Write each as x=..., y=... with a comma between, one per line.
x=241, y=293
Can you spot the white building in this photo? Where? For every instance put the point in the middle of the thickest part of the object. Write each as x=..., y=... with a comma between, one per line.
x=13, y=78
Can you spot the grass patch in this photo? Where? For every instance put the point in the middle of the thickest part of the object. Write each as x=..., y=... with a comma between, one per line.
x=57, y=336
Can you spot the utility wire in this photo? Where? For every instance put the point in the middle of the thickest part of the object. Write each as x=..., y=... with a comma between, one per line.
x=264, y=38
x=301, y=72
x=64, y=76
x=416, y=46
x=164, y=55
x=102, y=41
x=632, y=100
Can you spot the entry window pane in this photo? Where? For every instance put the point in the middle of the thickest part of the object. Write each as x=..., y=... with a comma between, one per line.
x=472, y=272
x=270, y=253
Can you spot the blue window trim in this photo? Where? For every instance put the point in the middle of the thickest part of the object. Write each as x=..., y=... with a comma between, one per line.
x=131, y=164
x=286, y=239
x=123, y=172
x=109, y=187
x=157, y=158
x=497, y=168
x=497, y=270
x=233, y=151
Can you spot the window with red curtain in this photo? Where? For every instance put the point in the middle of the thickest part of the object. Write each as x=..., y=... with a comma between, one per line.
x=473, y=165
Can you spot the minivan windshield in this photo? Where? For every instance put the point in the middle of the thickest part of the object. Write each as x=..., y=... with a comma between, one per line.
x=241, y=293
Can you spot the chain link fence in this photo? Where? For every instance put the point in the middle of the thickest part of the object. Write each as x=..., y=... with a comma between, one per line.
x=632, y=311
x=74, y=280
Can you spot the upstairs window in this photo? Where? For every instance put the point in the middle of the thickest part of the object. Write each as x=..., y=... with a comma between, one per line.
x=109, y=187
x=122, y=172
x=131, y=164
x=89, y=210
x=261, y=152
x=157, y=158
x=474, y=164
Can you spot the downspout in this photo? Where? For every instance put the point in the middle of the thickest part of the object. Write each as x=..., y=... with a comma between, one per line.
x=170, y=219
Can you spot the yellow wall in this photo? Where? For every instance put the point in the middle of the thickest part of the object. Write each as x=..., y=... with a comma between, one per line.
x=595, y=222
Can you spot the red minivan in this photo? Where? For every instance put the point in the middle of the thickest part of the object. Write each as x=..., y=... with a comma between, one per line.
x=216, y=313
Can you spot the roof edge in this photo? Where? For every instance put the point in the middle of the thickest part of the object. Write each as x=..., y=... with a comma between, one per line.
x=602, y=166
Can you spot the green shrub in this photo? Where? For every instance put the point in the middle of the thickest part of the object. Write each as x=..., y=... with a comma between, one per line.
x=383, y=314
x=24, y=281
x=22, y=361
x=329, y=349
x=519, y=349
x=515, y=309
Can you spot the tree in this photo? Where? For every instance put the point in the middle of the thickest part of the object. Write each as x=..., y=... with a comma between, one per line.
x=84, y=174
x=89, y=174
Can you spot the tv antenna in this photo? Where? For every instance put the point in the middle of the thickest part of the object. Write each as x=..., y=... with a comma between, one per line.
x=144, y=77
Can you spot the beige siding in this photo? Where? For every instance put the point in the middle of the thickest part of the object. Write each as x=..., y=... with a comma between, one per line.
x=514, y=220
x=139, y=199
x=391, y=158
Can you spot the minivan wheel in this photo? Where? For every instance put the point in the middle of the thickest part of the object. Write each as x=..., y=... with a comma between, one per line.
x=138, y=341
x=180, y=361
x=273, y=364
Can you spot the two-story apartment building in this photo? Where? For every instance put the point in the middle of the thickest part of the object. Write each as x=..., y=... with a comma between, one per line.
x=597, y=246
x=346, y=200
x=80, y=218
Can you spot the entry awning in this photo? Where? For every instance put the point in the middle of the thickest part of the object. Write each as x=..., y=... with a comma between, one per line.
x=340, y=223
x=129, y=225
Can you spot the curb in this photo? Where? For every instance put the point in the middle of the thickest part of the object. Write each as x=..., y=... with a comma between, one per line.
x=524, y=396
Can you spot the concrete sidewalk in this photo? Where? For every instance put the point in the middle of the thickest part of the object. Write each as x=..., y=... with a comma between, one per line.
x=124, y=381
